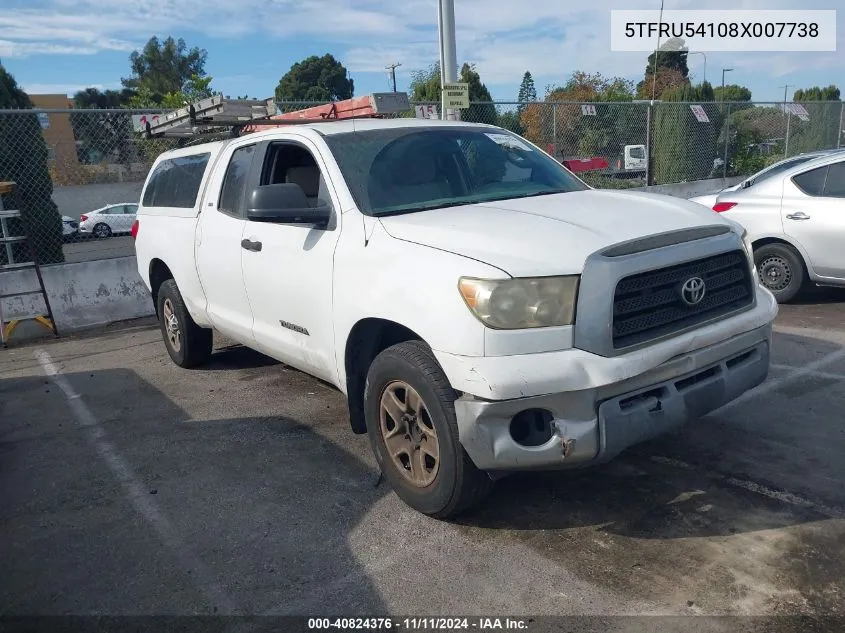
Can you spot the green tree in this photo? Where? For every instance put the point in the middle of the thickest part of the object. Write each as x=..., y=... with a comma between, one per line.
x=510, y=121
x=816, y=93
x=100, y=134
x=671, y=71
x=686, y=149
x=732, y=92
x=193, y=89
x=481, y=109
x=674, y=60
x=23, y=160
x=614, y=124
x=163, y=68
x=824, y=108
x=425, y=85
x=527, y=92
x=315, y=78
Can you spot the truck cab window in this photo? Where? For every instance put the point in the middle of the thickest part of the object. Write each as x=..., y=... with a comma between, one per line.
x=234, y=181
x=292, y=163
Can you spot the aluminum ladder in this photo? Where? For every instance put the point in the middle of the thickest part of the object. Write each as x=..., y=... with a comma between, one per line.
x=8, y=240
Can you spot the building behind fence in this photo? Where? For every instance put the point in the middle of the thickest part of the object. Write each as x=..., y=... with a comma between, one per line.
x=67, y=162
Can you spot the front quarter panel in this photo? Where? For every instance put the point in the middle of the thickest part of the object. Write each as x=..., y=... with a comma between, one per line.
x=412, y=285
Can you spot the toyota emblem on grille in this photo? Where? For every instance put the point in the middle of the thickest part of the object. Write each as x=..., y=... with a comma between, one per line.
x=692, y=292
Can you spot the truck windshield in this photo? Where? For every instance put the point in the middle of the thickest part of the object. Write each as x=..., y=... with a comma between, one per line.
x=407, y=169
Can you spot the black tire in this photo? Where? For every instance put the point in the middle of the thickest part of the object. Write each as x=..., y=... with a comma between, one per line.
x=195, y=343
x=458, y=484
x=781, y=270
x=101, y=230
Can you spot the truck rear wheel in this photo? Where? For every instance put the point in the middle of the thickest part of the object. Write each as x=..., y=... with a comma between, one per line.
x=413, y=431
x=187, y=343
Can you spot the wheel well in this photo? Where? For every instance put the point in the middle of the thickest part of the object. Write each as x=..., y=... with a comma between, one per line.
x=367, y=340
x=775, y=240
x=159, y=273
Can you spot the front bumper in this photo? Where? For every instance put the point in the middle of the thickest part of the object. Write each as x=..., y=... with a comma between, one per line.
x=594, y=424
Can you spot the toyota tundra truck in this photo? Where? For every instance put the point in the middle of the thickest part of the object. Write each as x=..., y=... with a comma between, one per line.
x=481, y=308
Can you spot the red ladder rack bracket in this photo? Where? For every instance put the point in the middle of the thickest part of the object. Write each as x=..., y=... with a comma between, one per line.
x=378, y=104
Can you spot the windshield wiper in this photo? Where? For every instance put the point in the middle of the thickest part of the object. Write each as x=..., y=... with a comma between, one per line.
x=462, y=203
x=537, y=193
x=431, y=207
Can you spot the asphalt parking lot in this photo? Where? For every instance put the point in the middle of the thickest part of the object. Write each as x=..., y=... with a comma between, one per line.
x=130, y=486
x=86, y=249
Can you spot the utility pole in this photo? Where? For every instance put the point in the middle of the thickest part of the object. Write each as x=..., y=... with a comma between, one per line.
x=724, y=70
x=785, y=88
x=448, y=55
x=392, y=70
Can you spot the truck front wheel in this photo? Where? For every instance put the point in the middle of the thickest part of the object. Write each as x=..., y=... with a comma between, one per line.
x=413, y=431
x=187, y=343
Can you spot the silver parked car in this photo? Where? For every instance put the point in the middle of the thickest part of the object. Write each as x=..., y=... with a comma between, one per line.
x=772, y=170
x=796, y=222
x=109, y=220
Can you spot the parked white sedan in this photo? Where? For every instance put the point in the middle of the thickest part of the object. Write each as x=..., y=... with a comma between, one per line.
x=796, y=224
x=779, y=167
x=109, y=220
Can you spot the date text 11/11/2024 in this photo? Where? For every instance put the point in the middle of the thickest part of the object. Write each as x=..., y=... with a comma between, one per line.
x=421, y=624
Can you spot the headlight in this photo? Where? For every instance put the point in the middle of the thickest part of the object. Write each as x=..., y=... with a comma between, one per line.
x=529, y=302
x=749, y=251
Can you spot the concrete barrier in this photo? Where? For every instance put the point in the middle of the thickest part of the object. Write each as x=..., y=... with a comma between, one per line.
x=694, y=188
x=83, y=294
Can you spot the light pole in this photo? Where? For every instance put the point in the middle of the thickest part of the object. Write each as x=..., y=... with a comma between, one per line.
x=724, y=70
x=705, y=62
x=448, y=56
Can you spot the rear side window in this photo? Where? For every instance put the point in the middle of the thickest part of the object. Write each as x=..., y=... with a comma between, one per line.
x=811, y=182
x=834, y=186
x=176, y=182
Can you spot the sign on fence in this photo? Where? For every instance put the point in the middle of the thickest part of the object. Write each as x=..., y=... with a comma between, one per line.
x=588, y=109
x=800, y=111
x=700, y=114
x=139, y=121
x=456, y=96
x=426, y=111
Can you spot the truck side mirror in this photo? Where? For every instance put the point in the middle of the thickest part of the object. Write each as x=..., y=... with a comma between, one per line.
x=285, y=203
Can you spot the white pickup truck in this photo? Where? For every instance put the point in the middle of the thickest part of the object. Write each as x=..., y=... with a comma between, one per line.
x=482, y=309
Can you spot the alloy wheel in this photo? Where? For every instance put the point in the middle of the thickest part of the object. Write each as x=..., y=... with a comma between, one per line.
x=409, y=434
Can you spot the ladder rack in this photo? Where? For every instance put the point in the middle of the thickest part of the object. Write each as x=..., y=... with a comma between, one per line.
x=212, y=112
x=216, y=113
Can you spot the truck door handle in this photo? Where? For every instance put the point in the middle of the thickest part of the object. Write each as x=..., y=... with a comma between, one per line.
x=250, y=245
x=798, y=215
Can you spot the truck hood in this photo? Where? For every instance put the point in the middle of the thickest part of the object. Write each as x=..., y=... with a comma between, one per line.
x=548, y=235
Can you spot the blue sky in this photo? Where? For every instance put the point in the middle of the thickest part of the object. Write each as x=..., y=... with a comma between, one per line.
x=60, y=46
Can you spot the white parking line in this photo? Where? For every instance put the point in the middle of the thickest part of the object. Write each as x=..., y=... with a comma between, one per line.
x=136, y=492
x=752, y=486
x=776, y=383
x=818, y=374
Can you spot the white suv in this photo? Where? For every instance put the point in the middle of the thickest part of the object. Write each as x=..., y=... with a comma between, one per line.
x=482, y=309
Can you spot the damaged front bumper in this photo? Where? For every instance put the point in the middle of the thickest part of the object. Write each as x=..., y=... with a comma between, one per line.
x=593, y=425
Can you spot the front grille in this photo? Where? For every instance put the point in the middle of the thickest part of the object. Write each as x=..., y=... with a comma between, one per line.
x=651, y=305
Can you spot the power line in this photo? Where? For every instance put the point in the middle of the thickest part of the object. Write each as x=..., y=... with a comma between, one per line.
x=392, y=70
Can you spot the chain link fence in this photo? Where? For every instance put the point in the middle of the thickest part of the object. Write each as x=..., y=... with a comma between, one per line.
x=79, y=173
